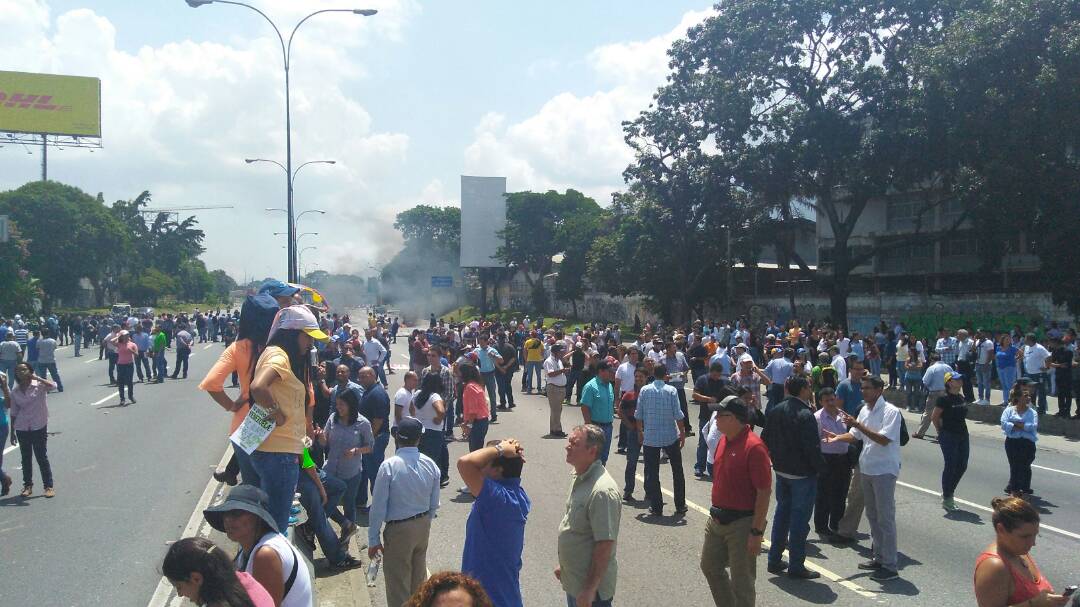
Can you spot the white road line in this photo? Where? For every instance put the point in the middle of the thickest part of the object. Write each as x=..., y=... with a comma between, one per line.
x=93, y=360
x=986, y=509
x=10, y=449
x=834, y=577
x=1054, y=470
x=106, y=399
x=164, y=594
x=207, y=346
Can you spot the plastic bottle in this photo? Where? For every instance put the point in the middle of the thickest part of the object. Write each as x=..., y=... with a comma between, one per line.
x=373, y=570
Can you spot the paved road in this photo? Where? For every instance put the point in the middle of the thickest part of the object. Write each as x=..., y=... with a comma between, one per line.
x=126, y=478
x=658, y=558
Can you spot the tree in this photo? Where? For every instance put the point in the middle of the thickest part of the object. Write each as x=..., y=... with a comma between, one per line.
x=439, y=227
x=223, y=284
x=535, y=231
x=575, y=239
x=803, y=100
x=19, y=289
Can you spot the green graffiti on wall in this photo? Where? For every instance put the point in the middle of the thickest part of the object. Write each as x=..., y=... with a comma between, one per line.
x=925, y=325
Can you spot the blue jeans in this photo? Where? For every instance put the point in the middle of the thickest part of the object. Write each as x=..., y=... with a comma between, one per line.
x=431, y=445
x=1007, y=377
x=530, y=369
x=875, y=366
x=571, y=601
x=633, y=453
x=701, y=463
x=791, y=520
x=571, y=381
x=982, y=375
x=8, y=367
x=372, y=461
x=607, y=441
x=248, y=474
x=489, y=383
x=5, y=433
x=161, y=367
x=347, y=499
x=954, y=448
x=278, y=473
x=43, y=368
x=312, y=502
x=1041, y=387
x=913, y=387
x=478, y=434
x=380, y=372
x=77, y=342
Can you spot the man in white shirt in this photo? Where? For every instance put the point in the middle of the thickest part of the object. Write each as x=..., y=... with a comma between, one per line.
x=878, y=427
x=965, y=362
x=555, y=369
x=838, y=362
x=624, y=375
x=984, y=361
x=374, y=355
x=184, y=340
x=402, y=399
x=46, y=362
x=843, y=345
x=1035, y=357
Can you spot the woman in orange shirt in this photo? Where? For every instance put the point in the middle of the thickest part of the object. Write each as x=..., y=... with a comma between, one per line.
x=1005, y=573
x=256, y=318
x=474, y=402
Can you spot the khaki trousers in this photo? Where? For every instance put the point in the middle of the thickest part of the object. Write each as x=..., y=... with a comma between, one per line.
x=928, y=410
x=405, y=558
x=555, y=395
x=725, y=548
x=849, y=524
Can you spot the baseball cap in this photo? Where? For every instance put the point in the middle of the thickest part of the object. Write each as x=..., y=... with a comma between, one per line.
x=276, y=288
x=735, y=406
x=950, y=375
x=297, y=317
x=741, y=345
x=409, y=429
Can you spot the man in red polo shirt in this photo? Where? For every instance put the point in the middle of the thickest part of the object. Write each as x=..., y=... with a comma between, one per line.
x=742, y=487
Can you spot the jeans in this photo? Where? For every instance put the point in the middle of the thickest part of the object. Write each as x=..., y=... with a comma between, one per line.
x=1020, y=453
x=571, y=380
x=278, y=475
x=112, y=366
x=967, y=370
x=161, y=367
x=77, y=341
x=182, y=355
x=1041, y=386
x=633, y=453
x=875, y=366
x=347, y=499
x=125, y=377
x=607, y=441
x=42, y=368
x=791, y=520
x=954, y=448
x=879, y=493
x=913, y=387
x=532, y=368
x=832, y=491
x=431, y=445
x=504, y=381
x=317, y=521
x=8, y=367
x=372, y=461
x=380, y=373
x=701, y=460
x=478, y=434
x=652, y=476
x=32, y=445
x=5, y=432
x=1006, y=377
x=982, y=375
x=571, y=601
x=142, y=362
x=489, y=383
x=248, y=474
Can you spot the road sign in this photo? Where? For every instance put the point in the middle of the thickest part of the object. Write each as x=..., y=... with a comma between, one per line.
x=3, y=228
x=442, y=282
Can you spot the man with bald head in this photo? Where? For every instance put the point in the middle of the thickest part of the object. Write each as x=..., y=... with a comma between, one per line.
x=342, y=373
x=375, y=406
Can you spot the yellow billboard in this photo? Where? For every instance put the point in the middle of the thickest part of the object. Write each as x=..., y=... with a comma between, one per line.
x=47, y=103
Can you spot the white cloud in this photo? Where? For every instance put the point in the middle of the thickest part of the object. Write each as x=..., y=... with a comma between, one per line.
x=179, y=118
x=577, y=141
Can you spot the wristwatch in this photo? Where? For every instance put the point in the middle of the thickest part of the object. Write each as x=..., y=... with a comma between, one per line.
x=498, y=450
x=757, y=532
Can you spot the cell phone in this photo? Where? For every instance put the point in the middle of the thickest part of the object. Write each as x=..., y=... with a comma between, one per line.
x=1069, y=590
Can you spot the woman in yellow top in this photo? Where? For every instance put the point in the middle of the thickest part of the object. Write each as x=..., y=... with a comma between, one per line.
x=281, y=386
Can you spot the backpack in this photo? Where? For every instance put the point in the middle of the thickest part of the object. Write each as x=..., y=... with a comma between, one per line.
x=829, y=377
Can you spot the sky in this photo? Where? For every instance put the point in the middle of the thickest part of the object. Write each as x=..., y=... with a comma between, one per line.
x=405, y=102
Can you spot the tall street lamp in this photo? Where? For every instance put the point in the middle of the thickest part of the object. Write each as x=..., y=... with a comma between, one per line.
x=286, y=55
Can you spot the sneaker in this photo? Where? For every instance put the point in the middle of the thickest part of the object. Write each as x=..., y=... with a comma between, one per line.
x=347, y=533
x=228, y=479
x=884, y=574
x=5, y=485
x=444, y=483
x=628, y=496
x=777, y=567
x=949, y=504
x=349, y=562
x=50, y=492
x=870, y=565
x=27, y=491
x=803, y=574
x=132, y=400
x=682, y=510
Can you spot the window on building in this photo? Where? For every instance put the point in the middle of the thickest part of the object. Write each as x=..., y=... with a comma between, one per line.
x=910, y=259
x=960, y=247
x=901, y=213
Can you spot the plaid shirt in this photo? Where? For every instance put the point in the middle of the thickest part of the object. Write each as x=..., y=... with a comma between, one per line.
x=658, y=408
x=947, y=348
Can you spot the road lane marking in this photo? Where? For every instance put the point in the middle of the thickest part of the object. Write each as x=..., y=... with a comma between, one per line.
x=985, y=509
x=812, y=566
x=165, y=594
x=93, y=360
x=1054, y=470
x=106, y=399
x=207, y=346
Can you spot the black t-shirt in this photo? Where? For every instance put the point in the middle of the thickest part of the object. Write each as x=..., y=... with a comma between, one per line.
x=717, y=388
x=954, y=413
x=1063, y=356
x=577, y=360
x=508, y=353
x=698, y=355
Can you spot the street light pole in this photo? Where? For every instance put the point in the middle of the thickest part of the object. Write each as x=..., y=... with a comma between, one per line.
x=286, y=55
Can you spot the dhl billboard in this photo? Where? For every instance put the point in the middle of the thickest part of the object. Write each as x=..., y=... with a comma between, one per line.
x=47, y=103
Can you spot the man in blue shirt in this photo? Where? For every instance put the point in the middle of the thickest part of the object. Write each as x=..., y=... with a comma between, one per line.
x=495, y=530
x=663, y=426
x=598, y=403
x=934, y=382
x=487, y=356
x=849, y=391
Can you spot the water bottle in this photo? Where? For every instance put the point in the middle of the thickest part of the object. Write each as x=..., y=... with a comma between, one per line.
x=313, y=356
x=373, y=570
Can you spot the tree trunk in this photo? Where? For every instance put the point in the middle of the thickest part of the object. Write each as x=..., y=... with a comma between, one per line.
x=573, y=303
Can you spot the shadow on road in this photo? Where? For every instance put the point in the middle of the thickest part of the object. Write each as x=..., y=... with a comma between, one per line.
x=808, y=591
x=965, y=517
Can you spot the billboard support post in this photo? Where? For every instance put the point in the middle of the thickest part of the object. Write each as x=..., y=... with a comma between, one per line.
x=44, y=159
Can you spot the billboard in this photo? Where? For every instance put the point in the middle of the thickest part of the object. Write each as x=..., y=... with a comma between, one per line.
x=483, y=216
x=50, y=104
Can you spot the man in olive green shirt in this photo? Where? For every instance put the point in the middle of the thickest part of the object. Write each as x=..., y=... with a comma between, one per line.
x=590, y=527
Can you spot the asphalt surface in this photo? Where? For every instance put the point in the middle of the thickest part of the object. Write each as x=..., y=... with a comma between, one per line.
x=659, y=557
x=126, y=479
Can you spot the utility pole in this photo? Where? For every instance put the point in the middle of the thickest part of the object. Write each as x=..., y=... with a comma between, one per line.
x=44, y=157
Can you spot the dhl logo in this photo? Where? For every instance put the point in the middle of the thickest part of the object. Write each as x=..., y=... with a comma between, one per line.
x=31, y=102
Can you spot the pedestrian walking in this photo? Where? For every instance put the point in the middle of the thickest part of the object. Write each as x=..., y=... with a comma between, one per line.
x=662, y=425
x=375, y=406
x=487, y=357
x=29, y=426
x=495, y=529
x=878, y=426
x=834, y=481
x=1020, y=423
x=5, y=432
x=556, y=372
x=589, y=530
x=792, y=436
x=405, y=498
x=709, y=389
x=504, y=372
x=741, y=490
x=159, y=343
x=265, y=554
x=141, y=339
x=950, y=421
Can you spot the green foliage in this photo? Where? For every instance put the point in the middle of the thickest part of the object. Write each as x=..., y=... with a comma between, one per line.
x=426, y=225
x=18, y=290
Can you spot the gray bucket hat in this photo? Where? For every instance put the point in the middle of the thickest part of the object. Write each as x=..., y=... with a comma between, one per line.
x=242, y=497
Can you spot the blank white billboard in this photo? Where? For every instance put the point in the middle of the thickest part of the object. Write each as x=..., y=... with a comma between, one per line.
x=483, y=216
